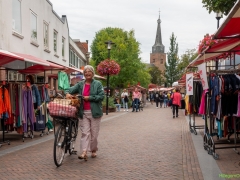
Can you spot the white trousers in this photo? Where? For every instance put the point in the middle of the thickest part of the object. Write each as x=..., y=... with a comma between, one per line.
x=89, y=127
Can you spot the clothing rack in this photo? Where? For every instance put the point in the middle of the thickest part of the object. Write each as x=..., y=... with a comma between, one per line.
x=210, y=144
x=192, y=124
x=3, y=125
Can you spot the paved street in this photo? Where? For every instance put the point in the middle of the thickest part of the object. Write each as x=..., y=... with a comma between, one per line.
x=132, y=145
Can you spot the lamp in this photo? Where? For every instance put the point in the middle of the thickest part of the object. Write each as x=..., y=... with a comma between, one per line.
x=218, y=17
x=109, y=45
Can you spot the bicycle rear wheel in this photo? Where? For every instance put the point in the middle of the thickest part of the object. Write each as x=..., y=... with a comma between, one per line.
x=73, y=134
x=59, y=146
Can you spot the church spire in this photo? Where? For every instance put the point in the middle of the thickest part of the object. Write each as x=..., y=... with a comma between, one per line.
x=158, y=47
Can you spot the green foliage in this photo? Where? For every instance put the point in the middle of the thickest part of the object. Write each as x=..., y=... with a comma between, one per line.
x=171, y=73
x=92, y=63
x=223, y=6
x=156, y=75
x=125, y=52
x=110, y=102
x=185, y=59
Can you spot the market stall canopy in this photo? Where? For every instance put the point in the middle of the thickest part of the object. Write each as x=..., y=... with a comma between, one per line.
x=69, y=70
x=36, y=69
x=216, y=50
x=6, y=57
x=132, y=88
x=231, y=26
x=17, y=61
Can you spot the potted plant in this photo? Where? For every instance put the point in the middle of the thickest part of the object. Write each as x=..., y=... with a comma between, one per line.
x=111, y=105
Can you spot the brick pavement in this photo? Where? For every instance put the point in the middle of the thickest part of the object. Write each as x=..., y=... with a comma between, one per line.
x=229, y=160
x=142, y=145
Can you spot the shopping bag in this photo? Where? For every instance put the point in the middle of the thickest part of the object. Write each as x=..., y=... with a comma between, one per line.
x=40, y=123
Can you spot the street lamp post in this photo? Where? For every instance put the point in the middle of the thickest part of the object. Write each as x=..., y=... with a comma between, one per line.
x=218, y=17
x=109, y=44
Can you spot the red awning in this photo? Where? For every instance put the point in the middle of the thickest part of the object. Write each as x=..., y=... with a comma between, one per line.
x=35, y=69
x=211, y=53
x=6, y=57
x=231, y=26
x=33, y=59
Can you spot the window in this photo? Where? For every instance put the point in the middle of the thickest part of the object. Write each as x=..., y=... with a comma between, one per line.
x=63, y=40
x=154, y=60
x=45, y=35
x=33, y=26
x=16, y=16
x=55, y=41
x=161, y=61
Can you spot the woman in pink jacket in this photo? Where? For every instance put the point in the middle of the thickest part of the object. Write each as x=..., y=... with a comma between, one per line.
x=176, y=102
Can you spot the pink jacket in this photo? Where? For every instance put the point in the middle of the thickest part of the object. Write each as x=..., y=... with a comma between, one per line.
x=176, y=98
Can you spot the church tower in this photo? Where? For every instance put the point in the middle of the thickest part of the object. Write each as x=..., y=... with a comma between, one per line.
x=158, y=56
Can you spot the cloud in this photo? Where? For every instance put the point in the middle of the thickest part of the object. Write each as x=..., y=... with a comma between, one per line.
x=187, y=19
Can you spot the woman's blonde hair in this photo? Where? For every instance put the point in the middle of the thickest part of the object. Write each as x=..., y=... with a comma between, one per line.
x=89, y=67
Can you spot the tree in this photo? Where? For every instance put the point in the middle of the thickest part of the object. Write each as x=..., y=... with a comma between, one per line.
x=125, y=52
x=223, y=6
x=156, y=75
x=184, y=61
x=171, y=74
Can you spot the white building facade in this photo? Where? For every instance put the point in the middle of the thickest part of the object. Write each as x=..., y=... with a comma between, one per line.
x=32, y=27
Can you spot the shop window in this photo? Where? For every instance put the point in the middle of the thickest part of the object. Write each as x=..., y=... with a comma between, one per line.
x=63, y=42
x=55, y=41
x=45, y=35
x=16, y=16
x=33, y=26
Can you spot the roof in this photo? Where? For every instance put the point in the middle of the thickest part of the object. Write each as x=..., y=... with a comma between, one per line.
x=231, y=25
x=213, y=52
x=158, y=47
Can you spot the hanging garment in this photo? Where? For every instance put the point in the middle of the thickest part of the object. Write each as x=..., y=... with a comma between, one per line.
x=5, y=104
x=63, y=82
x=27, y=110
x=203, y=103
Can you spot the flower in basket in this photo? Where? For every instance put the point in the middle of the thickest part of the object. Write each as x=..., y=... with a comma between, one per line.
x=108, y=66
x=206, y=42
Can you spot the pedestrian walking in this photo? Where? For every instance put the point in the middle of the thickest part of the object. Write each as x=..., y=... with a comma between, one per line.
x=161, y=99
x=165, y=100
x=124, y=97
x=176, y=102
x=151, y=96
x=90, y=112
x=156, y=99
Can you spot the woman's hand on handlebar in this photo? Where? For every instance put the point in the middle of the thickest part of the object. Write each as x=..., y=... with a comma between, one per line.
x=69, y=96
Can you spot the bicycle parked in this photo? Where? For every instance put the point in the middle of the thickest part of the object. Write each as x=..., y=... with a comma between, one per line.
x=64, y=113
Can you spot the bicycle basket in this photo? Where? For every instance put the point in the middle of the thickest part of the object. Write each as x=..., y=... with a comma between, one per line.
x=62, y=107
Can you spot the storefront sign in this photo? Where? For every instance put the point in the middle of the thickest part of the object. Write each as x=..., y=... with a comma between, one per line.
x=203, y=75
x=189, y=83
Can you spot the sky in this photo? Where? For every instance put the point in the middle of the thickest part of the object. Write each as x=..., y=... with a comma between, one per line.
x=187, y=19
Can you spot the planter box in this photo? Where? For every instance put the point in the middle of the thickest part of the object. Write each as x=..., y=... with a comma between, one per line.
x=110, y=109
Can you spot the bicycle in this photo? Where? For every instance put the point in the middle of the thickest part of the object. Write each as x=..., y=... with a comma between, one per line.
x=65, y=135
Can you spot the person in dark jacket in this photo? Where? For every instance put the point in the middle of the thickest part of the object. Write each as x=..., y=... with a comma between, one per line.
x=90, y=112
x=156, y=98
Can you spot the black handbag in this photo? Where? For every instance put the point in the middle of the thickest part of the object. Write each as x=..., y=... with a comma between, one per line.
x=40, y=123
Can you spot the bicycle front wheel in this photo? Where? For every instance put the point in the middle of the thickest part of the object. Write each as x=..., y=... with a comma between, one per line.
x=59, y=146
